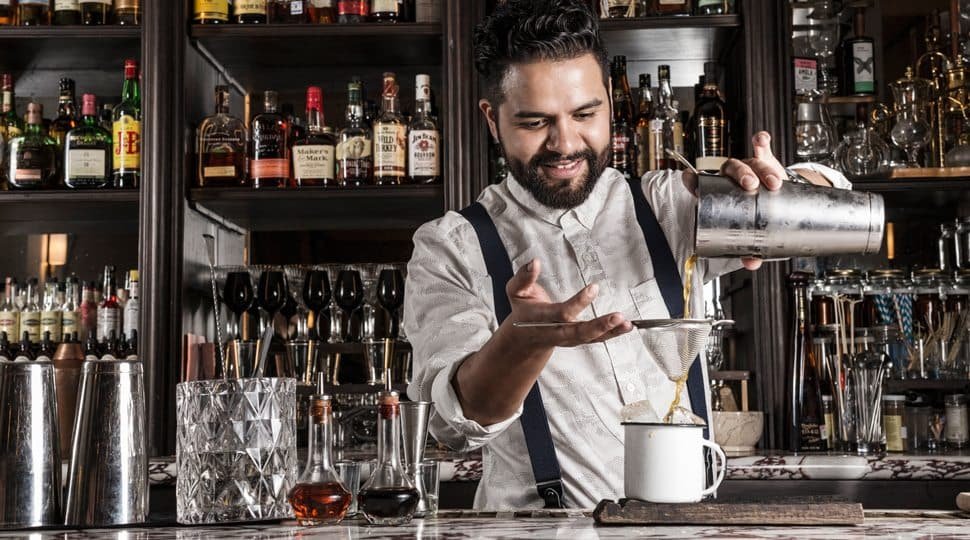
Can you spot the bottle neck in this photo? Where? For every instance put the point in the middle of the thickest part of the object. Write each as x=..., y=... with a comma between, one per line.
x=314, y=121
x=129, y=92
x=355, y=113
x=109, y=287
x=422, y=109
x=321, y=443
x=390, y=104
x=666, y=93
x=389, y=435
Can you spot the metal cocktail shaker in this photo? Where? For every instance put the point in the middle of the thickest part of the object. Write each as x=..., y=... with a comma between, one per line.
x=414, y=423
x=108, y=479
x=30, y=460
x=798, y=220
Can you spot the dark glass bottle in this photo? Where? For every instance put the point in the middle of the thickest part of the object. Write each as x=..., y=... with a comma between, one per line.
x=385, y=11
x=806, y=394
x=66, y=13
x=32, y=157
x=24, y=352
x=34, y=13
x=644, y=114
x=269, y=165
x=66, y=112
x=314, y=156
x=46, y=351
x=5, y=353
x=355, y=159
x=287, y=11
x=95, y=12
x=127, y=12
x=126, y=131
x=87, y=150
x=221, y=146
x=250, y=11
x=321, y=11
x=621, y=127
x=92, y=350
x=709, y=125
x=319, y=497
x=211, y=12
x=388, y=497
x=8, y=13
x=671, y=7
x=858, y=60
x=352, y=11
x=714, y=7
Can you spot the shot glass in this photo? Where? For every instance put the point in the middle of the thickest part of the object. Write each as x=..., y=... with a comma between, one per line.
x=349, y=472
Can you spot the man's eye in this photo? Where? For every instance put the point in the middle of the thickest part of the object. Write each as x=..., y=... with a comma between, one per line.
x=585, y=115
x=535, y=124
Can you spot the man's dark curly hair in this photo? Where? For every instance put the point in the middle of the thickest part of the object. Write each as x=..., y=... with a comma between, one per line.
x=534, y=30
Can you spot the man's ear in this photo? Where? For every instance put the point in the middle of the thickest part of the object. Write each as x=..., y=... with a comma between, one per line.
x=491, y=116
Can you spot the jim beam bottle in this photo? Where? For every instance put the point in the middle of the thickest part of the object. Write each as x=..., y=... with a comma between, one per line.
x=709, y=127
x=424, y=139
x=807, y=414
x=390, y=137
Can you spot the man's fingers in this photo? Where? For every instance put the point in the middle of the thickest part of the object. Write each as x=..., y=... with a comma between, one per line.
x=770, y=172
x=615, y=332
x=591, y=331
x=761, y=141
x=741, y=173
x=751, y=263
x=524, y=279
x=570, y=309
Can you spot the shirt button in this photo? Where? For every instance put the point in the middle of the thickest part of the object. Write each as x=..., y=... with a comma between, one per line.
x=631, y=387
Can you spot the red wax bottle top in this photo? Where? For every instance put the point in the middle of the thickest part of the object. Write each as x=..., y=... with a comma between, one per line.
x=131, y=68
x=314, y=98
x=89, y=105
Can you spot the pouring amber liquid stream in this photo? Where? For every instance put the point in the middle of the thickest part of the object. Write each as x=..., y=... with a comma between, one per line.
x=682, y=380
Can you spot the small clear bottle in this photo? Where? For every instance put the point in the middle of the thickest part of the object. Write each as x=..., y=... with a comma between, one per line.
x=319, y=497
x=956, y=430
x=388, y=497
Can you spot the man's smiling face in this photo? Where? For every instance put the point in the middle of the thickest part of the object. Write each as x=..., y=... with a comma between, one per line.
x=554, y=127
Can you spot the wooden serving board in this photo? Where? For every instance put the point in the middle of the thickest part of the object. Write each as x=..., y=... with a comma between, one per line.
x=797, y=511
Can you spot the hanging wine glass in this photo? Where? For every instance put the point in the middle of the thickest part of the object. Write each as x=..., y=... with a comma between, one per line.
x=272, y=292
x=238, y=296
x=390, y=294
x=316, y=295
x=349, y=295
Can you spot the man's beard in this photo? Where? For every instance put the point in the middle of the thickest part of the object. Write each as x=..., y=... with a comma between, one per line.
x=562, y=194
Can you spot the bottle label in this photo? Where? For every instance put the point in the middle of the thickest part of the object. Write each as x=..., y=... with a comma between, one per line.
x=705, y=3
x=69, y=322
x=643, y=148
x=103, y=2
x=655, y=143
x=10, y=323
x=296, y=7
x=384, y=6
x=227, y=171
x=127, y=143
x=892, y=428
x=50, y=321
x=673, y=2
x=427, y=11
x=65, y=5
x=423, y=153
x=131, y=318
x=215, y=9
x=678, y=135
x=353, y=7
x=30, y=323
x=710, y=136
x=27, y=175
x=314, y=161
x=354, y=148
x=862, y=68
x=390, y=144
x=806, y=75
x=86, y=163
x=250, y=7
x=34, y=2
x=108, y=321
x=811, y=436
x=319, y=4
x=269, y=168
x=621, y=149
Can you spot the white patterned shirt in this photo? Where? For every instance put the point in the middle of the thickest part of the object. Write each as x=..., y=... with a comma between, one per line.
x=449, y=315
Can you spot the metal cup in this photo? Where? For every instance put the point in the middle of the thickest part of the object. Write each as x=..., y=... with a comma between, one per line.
x=108, y=478
x=30, y=460
x=414, y=432
x=798, y=220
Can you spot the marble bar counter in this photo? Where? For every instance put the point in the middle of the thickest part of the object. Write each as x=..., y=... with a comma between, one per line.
x=578, y=525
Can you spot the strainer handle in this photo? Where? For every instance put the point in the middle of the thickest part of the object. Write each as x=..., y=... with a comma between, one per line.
x=719, y=469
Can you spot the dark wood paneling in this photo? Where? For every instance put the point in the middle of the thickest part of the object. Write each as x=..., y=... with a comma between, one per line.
x=466, y=154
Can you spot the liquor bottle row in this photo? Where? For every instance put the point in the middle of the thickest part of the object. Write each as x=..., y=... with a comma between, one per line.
x=616, y=9
x=61, y=310
x=389, y=150
x=69, y=12
x=826, y=65
x=315, y=11
x=93, y=151
x=109, y=348
x=644, y=131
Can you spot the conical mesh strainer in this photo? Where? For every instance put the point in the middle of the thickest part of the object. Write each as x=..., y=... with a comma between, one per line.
x=675, y=345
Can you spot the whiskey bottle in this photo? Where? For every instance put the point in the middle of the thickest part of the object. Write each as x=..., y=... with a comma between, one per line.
x=71, y=309
x=390, y=137
x=424, y=139
x=127, y=12
x=109, y=310
x=384, y=11
x=644, y=114
x=211, y=12
x=24, y=353
x=32, y=157
x=671, y=7
x=269, y=165
x=619, y=9
x=10, y=121
x=319, y=497
x=250, y=11
x=314, y=156
x=89, y=311
x=355, y=142
x=66, y=13
x=662, y=125
x=50, y=314
x=709, y=126
x=287, y=12
x=9, y=312
x=33, y=12
x=30, y=313
x=714, y=7
x=132, y=309
x=621, y=128
x=806, y=396
x=321, y=12
x=126, y=131
x=66, y=112
x=8, y=12
x=95, y=12
x=858, y=60
x=352, y=11
x=87, y=150
x=221, y=146
x=295, y=130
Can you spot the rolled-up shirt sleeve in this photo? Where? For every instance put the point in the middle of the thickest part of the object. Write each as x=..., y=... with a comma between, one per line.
x=448, y=316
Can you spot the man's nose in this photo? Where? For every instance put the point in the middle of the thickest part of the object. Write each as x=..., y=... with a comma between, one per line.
x=563, y=138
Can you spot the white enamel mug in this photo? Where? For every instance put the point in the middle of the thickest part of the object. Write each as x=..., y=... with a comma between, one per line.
x=664, y=463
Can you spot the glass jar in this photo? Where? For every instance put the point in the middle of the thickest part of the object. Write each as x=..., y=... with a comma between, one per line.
x=893, y=407
x=957, y=302
x=927, y=319
x=956, y=430
x=917, y=419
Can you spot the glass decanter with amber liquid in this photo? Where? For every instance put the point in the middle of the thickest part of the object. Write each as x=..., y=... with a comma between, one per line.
x=319, y=497
x=388, y=497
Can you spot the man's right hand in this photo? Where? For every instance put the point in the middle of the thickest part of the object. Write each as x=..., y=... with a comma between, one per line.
x=531, y=303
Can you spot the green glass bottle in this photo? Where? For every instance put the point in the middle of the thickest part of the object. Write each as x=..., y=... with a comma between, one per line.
x=87, y=150
x=126, y=131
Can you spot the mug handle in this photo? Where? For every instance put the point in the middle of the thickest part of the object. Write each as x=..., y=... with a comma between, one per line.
x=720, y=470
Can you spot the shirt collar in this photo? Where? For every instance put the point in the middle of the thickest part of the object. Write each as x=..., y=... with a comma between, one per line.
x=586, y=213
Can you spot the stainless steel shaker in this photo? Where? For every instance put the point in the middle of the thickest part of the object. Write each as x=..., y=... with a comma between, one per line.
x=798, y=220
x=30, y=459
x=108, y=478
x=414, y=431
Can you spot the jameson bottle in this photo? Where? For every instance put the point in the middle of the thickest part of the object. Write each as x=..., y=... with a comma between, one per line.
x=390, y=137
x=807, y=414
x=126, y=131
x=354, y=158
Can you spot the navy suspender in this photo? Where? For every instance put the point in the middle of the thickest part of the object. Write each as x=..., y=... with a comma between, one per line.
x=535, y=426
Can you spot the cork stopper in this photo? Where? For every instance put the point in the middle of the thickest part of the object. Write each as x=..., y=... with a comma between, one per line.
x=320, y=409
x=388, y=404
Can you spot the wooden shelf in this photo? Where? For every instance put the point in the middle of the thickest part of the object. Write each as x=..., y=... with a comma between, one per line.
x=895, y=386
x=670, y=23
x=682, y=42
x=24, y=212
x=69, y=48
x=924, y=183
x=307, y=209
x=849, y=100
